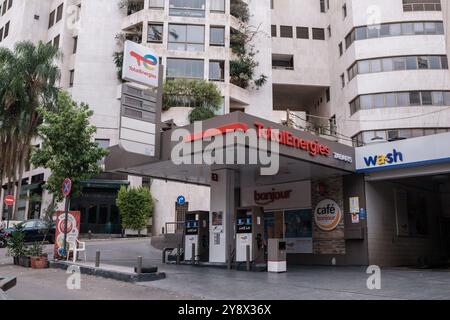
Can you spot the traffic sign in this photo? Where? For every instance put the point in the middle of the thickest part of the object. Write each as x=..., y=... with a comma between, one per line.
x=181, y=200
x=9, y=200
x=66, y=187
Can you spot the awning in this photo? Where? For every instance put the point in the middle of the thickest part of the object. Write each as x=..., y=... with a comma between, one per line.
x=32, y=187
x=104, y=184
x=302, y=155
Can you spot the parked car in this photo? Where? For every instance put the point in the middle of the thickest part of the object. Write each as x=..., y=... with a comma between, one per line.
x=34, y=230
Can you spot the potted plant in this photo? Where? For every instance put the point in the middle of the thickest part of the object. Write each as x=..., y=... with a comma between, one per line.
x=39, y=260
x=15, y=245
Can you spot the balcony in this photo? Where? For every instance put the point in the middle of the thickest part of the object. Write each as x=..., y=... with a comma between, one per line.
x=132, y=6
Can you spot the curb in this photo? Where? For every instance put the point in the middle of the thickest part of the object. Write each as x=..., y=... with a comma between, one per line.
x=108, y=274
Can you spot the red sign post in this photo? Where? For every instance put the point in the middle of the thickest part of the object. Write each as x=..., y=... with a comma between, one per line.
x=66, y=189
x=9, y=200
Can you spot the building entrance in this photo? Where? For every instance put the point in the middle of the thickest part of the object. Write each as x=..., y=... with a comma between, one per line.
x=414, y=214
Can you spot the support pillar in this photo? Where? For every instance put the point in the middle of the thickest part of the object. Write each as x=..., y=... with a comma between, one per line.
x=222, y=202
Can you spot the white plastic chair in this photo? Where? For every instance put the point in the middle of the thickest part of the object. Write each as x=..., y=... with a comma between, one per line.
x=76, y=246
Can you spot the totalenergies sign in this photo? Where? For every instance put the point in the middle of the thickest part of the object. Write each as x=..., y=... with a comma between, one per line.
x=283, y=137
x=140, y=65
x=327, y=215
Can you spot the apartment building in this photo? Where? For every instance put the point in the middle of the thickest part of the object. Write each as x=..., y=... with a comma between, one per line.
x=352, y=71
x=85, y=32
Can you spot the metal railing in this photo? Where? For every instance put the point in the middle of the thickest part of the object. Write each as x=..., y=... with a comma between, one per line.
x=174, y=227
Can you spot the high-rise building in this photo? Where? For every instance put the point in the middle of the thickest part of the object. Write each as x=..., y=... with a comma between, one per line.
x=357, y=72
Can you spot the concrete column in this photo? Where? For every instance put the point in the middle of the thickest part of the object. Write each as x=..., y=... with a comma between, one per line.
x=222, y=200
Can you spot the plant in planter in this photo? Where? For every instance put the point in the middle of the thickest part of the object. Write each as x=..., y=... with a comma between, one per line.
x=15, y=246
x=39, y=260
x=202, y=96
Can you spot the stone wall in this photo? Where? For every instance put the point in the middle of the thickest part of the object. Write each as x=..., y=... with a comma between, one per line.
x=328, y=242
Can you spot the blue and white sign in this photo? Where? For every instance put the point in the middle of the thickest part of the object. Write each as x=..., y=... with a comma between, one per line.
x=362, y=214
x=181, y=200
x=405, y=153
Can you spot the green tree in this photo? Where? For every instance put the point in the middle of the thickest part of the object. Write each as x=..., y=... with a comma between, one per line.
x=202, y=96
x=28, y=80
x=68, y=148
x=136, y=207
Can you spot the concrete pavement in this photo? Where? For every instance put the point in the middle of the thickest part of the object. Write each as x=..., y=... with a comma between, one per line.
x=50, y=284
x=302, y=283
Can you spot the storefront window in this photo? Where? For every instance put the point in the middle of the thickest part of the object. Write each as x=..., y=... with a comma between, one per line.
x=298, y=223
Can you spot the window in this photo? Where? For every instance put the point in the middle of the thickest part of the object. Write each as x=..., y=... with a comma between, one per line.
x=283, y=61
x=344, y=10
x=59, y=12
x=71, y=77
x=411, y=63
x=155, y=32
x=427, y=99
x=6, y=32
x=104, y=144
x=156, y=4
x=318, y=34
x=273, y=30
x=341, y=49
x=366, y=137
x=286, y=32
x=423, y=63
x=302, y=33
x=4, y=7
x=323, y=6
x=343, y=80
x=393, y=30
x=400, y=99
x=422, y=5
x=217, y=36
x=10, y=3
x=51, y=19
x=1, y=34
x=399, y=63
x=363, y=67
x=329, y=31
x=186, y=37
x=187, y=8
x=75, y=44
x=185, y=68
x=216, y=70
x=218, y=6
x=56, y=41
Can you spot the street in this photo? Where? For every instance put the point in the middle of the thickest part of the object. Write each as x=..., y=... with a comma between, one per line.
x=185, y=282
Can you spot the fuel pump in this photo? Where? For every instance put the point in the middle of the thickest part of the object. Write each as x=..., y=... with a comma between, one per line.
x=197, y=232
x=250, y=232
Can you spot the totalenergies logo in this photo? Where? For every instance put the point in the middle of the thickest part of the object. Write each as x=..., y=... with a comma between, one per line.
x=148, y=61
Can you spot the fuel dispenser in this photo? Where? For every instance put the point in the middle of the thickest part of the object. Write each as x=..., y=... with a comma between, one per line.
x=197, y=232
x=250, y=232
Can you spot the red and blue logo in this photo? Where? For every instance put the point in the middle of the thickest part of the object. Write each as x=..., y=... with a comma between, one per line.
x=148, y=61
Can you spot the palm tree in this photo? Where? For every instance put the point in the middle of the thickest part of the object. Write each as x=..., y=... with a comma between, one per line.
x=28, y=78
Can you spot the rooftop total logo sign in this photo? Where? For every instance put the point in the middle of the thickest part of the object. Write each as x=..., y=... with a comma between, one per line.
x=140, y=64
